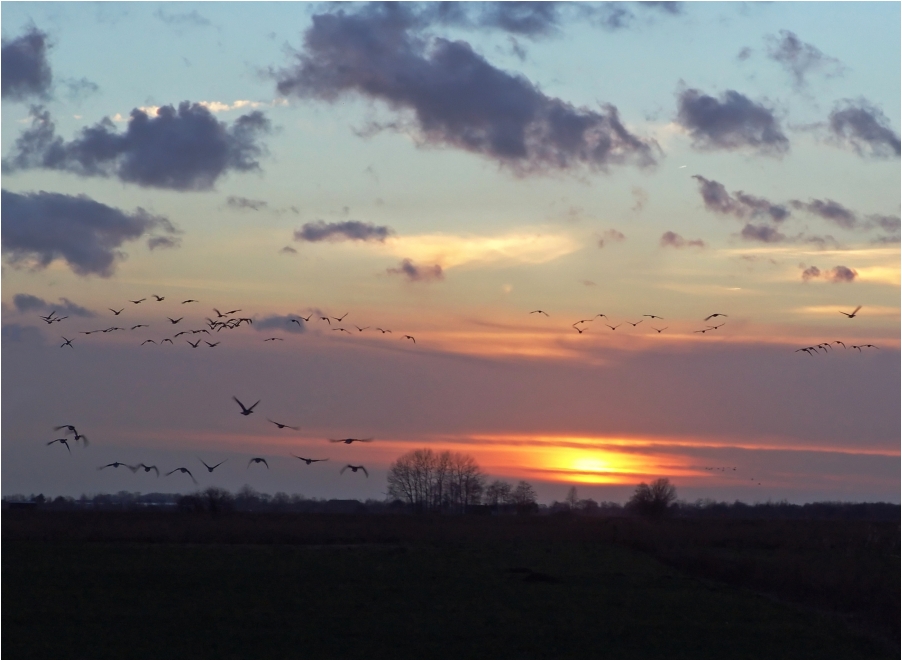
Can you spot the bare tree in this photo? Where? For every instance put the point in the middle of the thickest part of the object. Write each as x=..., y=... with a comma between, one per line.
x=572, y=498
x=524, y=497
x=653, y=500
x=498, y=493
x=430, y=481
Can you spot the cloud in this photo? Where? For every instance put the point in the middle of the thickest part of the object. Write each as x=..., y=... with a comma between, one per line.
x=798, y=58
x=446, y=94
x=674, y=240
x=810, y=272
x=42, y=227
x=718, y=200
x=243, y=203
x=415, y=273
x=734, y=122
x=77, y=90
x=888, y=223
x=829, y=210
x=744, y=54
x=182, y=19
x=22, y=334
x=762, y=233
x=24, y=70
x=178, y=149
x=611, y=236
x=285, y=322
x=30, y=303
x=862, y=126
x=841, y=274
x=348, y=230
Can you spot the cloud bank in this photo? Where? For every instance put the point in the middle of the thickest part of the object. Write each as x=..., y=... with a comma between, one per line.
x=24, y=67
x=348, y=230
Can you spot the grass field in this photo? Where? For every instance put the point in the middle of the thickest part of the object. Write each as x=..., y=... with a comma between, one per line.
x=172, y=586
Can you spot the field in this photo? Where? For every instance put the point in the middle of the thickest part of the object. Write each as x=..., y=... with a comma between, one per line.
x=149, y=585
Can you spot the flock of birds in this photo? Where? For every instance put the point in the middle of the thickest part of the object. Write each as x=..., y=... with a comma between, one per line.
x=579, y=328
x=826, y=347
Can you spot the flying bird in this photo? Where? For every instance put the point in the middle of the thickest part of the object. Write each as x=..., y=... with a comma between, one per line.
x=716, y=314
x=82, y=438
x=601, y=315
x=211, y=344
x=147, y=469
x=175, y=321
x=348, y=441
x=327, y=320
x=115, y=464
x=354, y=469
x=166, y=340
x=159, y=298
x=138, y=301
x=67, y=343
x=182, y=469
x=296, y=321
x=190, y=300
x=653, y=316
x=540, y=312
x=852, y=315
x=273, y=339
x=339, y=319
x=636, y=324
x=307, y=318
x=193, y=344
x=257, y=460
x=244, y=409
x=281, y=426
x=70, y=428
x=309, y=461
x=359, y=328
x=660, y=329
x=64, y=441
x=383, y=331
x=840, y=342
x=343, y=329
x=115, y=312
x=58, y=319
x=579, y=330
x=140, y=326
x=211, y=468
x=409, y=337
x=614, y=327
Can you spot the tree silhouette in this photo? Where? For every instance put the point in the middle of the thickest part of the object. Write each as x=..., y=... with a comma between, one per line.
x=653, y=500
x=436, y=481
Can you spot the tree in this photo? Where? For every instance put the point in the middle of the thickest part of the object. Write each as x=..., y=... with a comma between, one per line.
x=431, y=481
x=653, y=500
x=498, y=493
x=524, y=497
x=572, y=498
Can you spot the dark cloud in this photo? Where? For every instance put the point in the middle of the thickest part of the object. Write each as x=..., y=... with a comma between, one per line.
x=42, y=227
x=179, y=149
x=416, y=273
x=829, y=210
x=451, y=96
x=841, y=274
x=30, y=303
x=283, y=322
x=24, y=70
x=810, y=272
x=674, y=240
x=798, y=58
x=245, y=203
x=155, y=242
x=888, y=223
x=348, y=230
x=862, y=127
x=611, y=236
x=19, y=333
x=731, y=123
x=743, y=205
x=762, y=233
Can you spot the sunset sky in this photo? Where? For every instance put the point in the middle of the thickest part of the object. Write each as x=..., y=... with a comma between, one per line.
x=442, y=171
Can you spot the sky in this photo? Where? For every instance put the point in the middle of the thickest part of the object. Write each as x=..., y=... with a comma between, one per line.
x=511, y=189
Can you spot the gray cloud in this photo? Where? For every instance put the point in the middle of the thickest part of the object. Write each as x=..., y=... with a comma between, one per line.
x=841, y=274
x=451, y=96
x=283, y=322
x=674, y=240
x=762, y=233
x=24, y=334
x=798, y=58
x=744, y=54
x=862, y=127
x=30, y=303
x=829, y=210
x=24, y=70
x=718, y=200
x=245, y=203
x=611, y=235
x=43, y=227
x=731, y=123
x=179, y=149
x=76, y=90
x=183, y=19
x=416, y=273
x=810, y=272
x=348, y=230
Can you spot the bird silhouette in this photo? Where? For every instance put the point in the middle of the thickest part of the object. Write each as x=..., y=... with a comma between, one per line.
x=614, y=327
x=635, y=324
x=409, y=337
x=601, y=315
x=49, y=317
x=115, y=312
x=67, y=343
x=339, y=319
x=115, y=464
x=257, y=460
x=852, y=314
x=69, y=428
x=716, y=314
x=138, y=301
x=327, y=320
x=579, y=330
x=359, y=328
x=309, y=461
x=194, y=345
x=190, y=300
x=840, y=342
x=348, y=441
x=653, y=316
x=166, y=340
x=211, y=344
x=660, y=329
x=295, y=321
x=182, y=469
x=175, y=321
x=244, y=409
x=147, y=469
x=383, y=331
x=59, y=319
x=159, y=298
x=870, y=346
x=307, y=318
x=211, y=468
x=281, y=426
x=855, y=346
x=82, y=438
x=140, y=326
x=540, y=312
x=64, y=441
x=343, y=329
x=273, y=339
x=354, y=469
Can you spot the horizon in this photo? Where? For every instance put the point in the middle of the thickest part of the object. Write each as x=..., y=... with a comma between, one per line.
x=493, y=184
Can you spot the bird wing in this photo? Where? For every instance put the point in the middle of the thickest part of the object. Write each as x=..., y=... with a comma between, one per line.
x=239, y=403
x=255, y=403
x=855, y=311
x=341, y=472
x=364, y=471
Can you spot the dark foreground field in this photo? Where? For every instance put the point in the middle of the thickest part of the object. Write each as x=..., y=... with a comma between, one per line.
x=150, y=585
